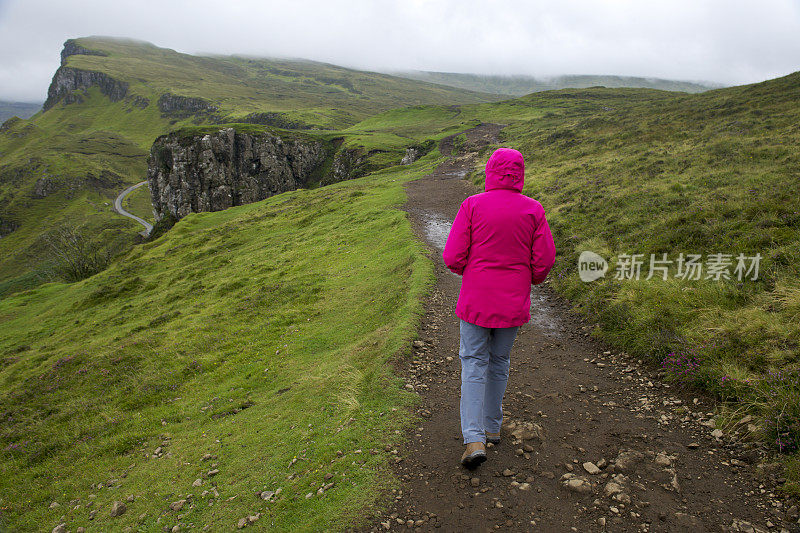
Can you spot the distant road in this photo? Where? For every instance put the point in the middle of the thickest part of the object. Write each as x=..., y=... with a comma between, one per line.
x=118, y=207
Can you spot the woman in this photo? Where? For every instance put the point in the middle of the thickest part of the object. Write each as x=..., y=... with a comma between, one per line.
x=500, y=243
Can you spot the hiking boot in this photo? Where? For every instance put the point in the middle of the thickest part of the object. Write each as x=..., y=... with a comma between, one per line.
x=474, y=455
x=494, y=438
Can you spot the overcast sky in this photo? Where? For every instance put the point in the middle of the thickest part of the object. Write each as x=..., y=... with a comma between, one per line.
x=725, y=41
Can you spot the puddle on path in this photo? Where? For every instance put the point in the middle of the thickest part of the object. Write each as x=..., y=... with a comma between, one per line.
x=458, y=174
x=543, y=314
x=437, y=228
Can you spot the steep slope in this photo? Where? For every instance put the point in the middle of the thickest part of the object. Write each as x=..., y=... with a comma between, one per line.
x=246, y=349
x=522, y=85
x=111, y=98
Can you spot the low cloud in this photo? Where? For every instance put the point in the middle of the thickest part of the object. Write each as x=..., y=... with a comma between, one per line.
x=728, y=42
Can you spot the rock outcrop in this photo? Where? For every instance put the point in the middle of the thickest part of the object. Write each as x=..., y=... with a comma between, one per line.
x=274, y=119
x=173, y=104
x=346, y=164
x=72, y=48
x=214, y=171
x=69, y=83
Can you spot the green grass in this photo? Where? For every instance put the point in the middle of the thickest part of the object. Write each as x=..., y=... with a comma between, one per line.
x=627, y=171
x=259, y=334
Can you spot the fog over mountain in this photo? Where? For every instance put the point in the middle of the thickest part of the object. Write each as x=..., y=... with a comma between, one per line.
x=726, y=42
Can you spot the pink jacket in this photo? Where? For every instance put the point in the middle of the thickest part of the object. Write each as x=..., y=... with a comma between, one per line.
x=500, y=243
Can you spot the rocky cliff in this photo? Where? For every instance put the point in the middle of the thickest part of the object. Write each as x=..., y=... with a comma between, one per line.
x=173, y=104
x=68, y=84
x=72, y=48
x=214, y=171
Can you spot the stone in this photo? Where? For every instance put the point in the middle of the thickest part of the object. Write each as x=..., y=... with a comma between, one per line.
x=475, y=481
x=622, y=497
x=579, y=485
x=576, y=483
x=178, y=505
x=60, y=528
x=528, y=431
x=717, y=433
x=612, y=488
x=626, y=461
x=242, y=523
x=591, y=468
x=662, y=459
x=118, y=509
x=197, y=482
x=412, y=154
x=212, y=473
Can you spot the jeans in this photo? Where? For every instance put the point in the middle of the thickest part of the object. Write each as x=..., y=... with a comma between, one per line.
x=485, y=355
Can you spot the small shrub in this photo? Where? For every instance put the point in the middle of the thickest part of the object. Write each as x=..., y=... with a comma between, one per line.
x=73, y=254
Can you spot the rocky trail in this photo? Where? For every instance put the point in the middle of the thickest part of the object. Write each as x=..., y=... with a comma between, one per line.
x=592, y=439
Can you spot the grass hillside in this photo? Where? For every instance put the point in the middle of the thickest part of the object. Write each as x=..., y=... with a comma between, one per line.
x=67, y=164
x=312, y=93
x=258, y=335
x=700, y=174
x=17, y=109
x=522, y=85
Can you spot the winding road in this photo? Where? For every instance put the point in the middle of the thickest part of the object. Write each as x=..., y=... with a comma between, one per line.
x=119, y=209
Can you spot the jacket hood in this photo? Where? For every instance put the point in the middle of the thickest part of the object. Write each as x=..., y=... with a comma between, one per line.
x=505, y=169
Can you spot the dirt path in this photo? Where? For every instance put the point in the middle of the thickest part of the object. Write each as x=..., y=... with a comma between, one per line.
x=118, y=207
x=660, y=468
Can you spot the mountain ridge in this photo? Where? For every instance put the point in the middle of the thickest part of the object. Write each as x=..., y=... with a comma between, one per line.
x=520, y=85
